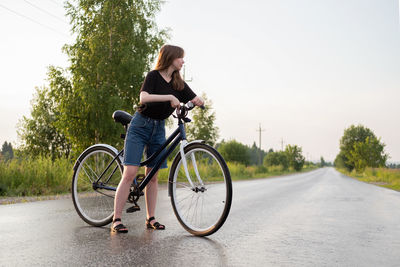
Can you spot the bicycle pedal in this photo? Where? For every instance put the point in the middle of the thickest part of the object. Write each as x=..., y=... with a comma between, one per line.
x=133, y=209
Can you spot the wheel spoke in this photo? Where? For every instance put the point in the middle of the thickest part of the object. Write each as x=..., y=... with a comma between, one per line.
x=96, y=206
x=87, y=174
x=183, y=185
x=199, y=209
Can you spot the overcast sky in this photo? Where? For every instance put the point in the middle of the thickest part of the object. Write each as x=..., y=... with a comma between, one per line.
x=303, y=69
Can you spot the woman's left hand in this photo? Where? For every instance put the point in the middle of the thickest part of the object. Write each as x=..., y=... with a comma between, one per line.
x=198, y=101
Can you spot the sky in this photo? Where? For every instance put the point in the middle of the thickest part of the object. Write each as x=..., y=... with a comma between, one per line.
x=304, y=70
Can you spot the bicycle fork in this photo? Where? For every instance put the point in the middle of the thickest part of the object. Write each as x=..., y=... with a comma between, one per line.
x=184, y=161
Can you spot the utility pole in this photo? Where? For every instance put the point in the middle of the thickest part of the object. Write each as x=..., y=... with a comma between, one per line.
x=184, y=75
x=259, y=143
x=282, y=144
x=259, y=136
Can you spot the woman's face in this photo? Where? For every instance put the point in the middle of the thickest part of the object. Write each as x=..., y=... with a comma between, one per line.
x=178, y=63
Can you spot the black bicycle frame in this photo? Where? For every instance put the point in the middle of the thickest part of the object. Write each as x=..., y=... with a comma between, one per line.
x=176, y=137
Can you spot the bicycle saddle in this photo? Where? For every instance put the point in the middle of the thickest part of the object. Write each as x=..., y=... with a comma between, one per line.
x=122, y=117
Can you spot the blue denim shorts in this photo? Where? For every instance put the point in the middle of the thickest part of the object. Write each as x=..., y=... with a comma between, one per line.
x=144, y=134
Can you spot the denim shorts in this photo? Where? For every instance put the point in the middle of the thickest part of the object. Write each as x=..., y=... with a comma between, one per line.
x=144, y=134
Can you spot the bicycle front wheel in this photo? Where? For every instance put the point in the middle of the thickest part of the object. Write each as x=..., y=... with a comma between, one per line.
x=203, y=205
x=94, y=185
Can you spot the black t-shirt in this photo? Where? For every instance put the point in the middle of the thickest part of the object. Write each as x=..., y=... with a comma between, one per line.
x=155, y=84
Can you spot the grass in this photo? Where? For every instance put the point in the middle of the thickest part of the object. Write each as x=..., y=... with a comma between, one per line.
x=42, y=177
x=241, y=172
x=388, y=178
x=35, y=177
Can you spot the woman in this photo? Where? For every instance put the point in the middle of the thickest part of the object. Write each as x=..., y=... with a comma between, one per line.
x=165, y=86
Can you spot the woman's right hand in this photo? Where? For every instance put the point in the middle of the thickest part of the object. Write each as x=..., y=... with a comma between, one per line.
x=174, y=102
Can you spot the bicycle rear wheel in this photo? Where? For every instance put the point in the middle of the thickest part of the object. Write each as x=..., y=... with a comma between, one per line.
x=96, y=205
x=202, y=208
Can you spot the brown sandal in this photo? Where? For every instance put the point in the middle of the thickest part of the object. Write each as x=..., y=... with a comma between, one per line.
x=156, y=225
x=119, y=228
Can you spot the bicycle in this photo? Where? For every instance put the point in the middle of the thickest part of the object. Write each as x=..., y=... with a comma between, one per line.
x=199, y=181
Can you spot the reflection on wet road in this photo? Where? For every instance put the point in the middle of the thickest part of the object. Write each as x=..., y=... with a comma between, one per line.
x=321, y=218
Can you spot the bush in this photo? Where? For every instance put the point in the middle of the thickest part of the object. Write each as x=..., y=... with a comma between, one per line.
x=295, y=158
x=277, y=159
x=235, y=152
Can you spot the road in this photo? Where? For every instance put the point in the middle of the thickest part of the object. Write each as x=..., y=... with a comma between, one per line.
x=320, y=218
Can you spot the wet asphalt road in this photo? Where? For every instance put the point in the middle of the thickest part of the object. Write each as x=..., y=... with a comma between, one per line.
x=321, y=218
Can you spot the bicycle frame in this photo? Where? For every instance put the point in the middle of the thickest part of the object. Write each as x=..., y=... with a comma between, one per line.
x=174, y=139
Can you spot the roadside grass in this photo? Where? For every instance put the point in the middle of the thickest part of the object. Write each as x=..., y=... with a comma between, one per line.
x=35, y=177
x=42, y=177
x=384, y=177
x=241, y=172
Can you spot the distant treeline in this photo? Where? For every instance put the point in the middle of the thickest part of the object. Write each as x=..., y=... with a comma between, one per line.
x=234, y=151
x=393, y=166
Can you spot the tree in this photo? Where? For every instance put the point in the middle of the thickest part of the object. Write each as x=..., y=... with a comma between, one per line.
x=235, y=152
x=295, y=158
x=360, y=148
x=203, y=123
x=367, y=154
x=116, y=41
x=256, y=155
x=393, y=166
x=39, y=134
x=278, y=158
x=322, y=162
x=7, y=151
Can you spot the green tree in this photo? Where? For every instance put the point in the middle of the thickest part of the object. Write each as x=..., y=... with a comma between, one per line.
x=322, y=162
x=235, y=152
x=115, y=45
x=340, y=161
x=116, y=41
x=278, y=158
x=360, y=148
x=39, y=134
x=7, y=151
x=295, y=157
x=256, y=155
x=367, y=154
x=203, y=123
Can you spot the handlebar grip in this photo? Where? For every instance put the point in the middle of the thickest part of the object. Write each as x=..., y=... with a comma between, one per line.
x=191, y=106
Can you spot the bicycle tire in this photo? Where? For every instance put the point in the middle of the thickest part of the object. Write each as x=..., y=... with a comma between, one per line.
x=95, y=206
x=209, y=215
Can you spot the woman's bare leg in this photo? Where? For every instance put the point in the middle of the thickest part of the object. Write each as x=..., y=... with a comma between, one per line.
x=150, y=193
x=123, y=190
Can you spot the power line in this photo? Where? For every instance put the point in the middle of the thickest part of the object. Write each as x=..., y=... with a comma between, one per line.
x=28, y=18
x=56, y=3
x=48, y=13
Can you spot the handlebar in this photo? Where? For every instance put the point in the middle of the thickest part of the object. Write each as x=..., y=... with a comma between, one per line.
x=189, y=105
x=181, y=111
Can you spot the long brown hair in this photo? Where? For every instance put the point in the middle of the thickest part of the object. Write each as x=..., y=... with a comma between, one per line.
x=168, y=53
